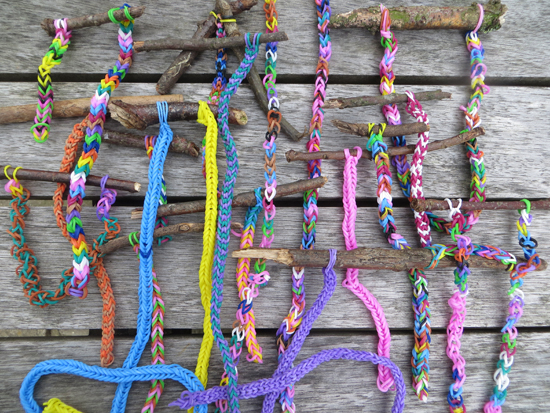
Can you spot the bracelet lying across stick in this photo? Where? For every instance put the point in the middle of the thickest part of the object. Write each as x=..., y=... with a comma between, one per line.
x=292, y=156
x=179, y=144
x=367, y=258
x=362, y=129
x=183, y=228
x=141, y=116
x=425, y=17
x=240, y=200
x=198, y=45
x=205, y=29
x=358, y=101
x=75, y=108
x=92, y=20
x=65, y=178
x=420, y=205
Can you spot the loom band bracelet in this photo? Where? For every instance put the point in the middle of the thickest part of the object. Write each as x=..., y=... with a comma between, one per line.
x=262, y=387
x=119, y=375
x=125, y=6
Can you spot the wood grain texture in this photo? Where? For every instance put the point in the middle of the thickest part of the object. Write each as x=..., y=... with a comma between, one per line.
x=516, y=152
x=334, y=386
x=355, y=51
x=177, y=265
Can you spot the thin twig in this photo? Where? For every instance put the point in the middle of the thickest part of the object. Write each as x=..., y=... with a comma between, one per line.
x=92, y=20
x=240, y=200
x=75, y=108
x=179, y=144
x=438, y=205
x=342, y=103
x=254, y=80
x=198, y=45
x=65, y=178
x=141, y=116
x=425, y=17
x=183, y=228
x=205, y=29
x=362, y=129
x=367, y=258
x=292, y=156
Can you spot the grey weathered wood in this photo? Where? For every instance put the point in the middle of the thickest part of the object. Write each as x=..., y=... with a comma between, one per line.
x=177, y=265
x=333, y=386
x=355, y=51
x=445, y=172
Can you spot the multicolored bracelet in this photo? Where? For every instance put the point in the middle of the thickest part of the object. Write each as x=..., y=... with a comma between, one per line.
x=94, y=132
x=224, y=216
x=44, y=108
x=311, y=213
x=515, y=310
x=385, y=379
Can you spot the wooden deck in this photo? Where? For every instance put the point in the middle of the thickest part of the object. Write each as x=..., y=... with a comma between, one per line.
x=516, y=156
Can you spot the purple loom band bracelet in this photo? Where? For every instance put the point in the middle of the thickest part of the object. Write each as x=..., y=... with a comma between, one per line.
x=285, y=376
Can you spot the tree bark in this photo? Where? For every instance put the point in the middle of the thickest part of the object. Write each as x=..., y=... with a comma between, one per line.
x=437, y=205
x=240, y=200
x=425, y=17
x=342, y=103
x=198, y=45
x=292, y=156
x=205, y=29
x=75, y=108
x=179, y=144
x=65, y=178
x=141, y=116
x=362, y=129
x=92, y=20
x=367, y=258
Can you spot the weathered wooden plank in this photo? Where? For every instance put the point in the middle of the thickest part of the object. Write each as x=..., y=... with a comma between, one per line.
x=446, y=173
x=177, y=265
x=355, y=51
x=333, y=386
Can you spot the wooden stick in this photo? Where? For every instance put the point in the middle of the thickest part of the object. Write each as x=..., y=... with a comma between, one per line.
x=240, y=200
x=65, y=178
x=437, y=205
x=204, y=44
x=254, y=80
x=74, y=108
x=205, y=29
x=367, y=258
x=184, y=228
x=141, y=116
x=292, y=156
x=92, y=20
x=179, y=144
x=425, y=17
x=362, y=129
x=342, y=103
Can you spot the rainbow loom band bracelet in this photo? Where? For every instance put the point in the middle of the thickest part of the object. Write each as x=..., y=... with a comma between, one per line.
x=464, y=222
x=384, y=380
x=94, y=132
x=205, y=117
x=421, y=306
x=146, y=277
x=515, y=310
x=57, y=406
x=246, y=287
x=224, y=216
x=311, y=213
x=44, y=107
x=286, y=376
